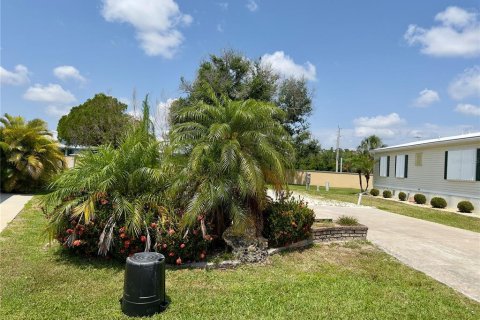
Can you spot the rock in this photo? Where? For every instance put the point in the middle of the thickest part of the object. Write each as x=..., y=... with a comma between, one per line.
x=246, y=247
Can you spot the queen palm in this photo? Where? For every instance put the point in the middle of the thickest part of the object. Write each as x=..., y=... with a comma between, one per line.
x=30, y=156
x=231, y=150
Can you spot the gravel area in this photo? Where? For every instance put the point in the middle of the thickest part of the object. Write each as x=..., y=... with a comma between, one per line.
x=320, y=201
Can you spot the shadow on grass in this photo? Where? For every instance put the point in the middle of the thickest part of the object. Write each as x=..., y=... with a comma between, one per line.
x=65, y=257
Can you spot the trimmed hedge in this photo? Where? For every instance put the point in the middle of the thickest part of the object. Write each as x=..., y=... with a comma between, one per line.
x=438, y=202
x=287, y=221
x=402, y=196
x=420, y=198
x=374, y=192
x=387, y=193
x=465, y=206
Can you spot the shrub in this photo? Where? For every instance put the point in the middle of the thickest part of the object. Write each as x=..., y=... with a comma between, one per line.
x=438, y=202
x=387, y=193
x=161, y=235
x=420, y=198
x=374, y=192
x=465, y=206
x=402, y=196
x=287, y=221
x=347, y=221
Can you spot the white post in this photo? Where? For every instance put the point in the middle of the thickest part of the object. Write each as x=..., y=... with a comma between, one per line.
x=359, y=199
x=327, y=186
x=318, y=188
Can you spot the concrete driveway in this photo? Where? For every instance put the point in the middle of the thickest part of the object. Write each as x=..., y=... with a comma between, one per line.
x=449, y=255
x=10, y=206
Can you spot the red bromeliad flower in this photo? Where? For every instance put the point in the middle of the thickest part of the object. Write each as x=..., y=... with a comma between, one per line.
x=69, y=231
x=121, y=230
x=122, y=235
x=153, y=225
x=179, y=261
x=126, y=244
x=164, y=246
x=143, y=239
x=103, y=201
x=182, y=246
x=171, y=254
x=76, y=243
x=202, y=256
x=171, y=232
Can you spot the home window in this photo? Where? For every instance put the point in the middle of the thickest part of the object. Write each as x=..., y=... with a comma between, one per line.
x=384, y=166
x=401, y=166
x=461, y=164
x=418, y=159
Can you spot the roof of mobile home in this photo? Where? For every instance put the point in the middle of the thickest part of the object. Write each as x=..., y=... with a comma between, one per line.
x=469, y=137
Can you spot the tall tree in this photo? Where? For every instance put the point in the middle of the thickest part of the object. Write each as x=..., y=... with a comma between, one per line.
x=100, y=120
x=239, y=78
x=29, y=154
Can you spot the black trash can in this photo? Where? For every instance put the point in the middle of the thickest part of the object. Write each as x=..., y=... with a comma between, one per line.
x=144, y=287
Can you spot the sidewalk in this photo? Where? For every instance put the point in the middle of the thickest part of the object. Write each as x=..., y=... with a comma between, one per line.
x=10, y=206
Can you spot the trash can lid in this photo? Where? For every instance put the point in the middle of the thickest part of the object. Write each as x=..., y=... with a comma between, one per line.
x=145, y=258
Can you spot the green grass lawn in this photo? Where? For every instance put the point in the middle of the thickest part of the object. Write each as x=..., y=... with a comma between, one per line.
x=349, y=281
x=351, y=195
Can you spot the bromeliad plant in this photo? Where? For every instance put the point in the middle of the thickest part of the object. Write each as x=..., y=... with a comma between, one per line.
x=110, y=188
x=230, y=150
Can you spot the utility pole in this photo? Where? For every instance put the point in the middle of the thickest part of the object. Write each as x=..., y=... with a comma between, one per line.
x=338, y=150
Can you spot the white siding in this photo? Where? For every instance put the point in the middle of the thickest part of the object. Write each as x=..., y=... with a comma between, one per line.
x=429, y=177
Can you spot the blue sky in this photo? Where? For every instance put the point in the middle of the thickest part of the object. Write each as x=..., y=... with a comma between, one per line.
x=402, y=70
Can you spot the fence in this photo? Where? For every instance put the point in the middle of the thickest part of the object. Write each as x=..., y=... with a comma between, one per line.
x=336, y=180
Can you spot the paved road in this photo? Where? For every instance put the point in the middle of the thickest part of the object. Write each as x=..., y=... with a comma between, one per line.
x=10, y=206
x=449, y=255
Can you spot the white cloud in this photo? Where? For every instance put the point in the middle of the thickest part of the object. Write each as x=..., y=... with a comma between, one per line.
x=383, y=126
x=285, y=65
x=456, y=35
x=468, y=109
x=425, y=98
x=466, y=84
x=223, y=5
x=17, y=77
x=156, y=23
x=161, y=118
x=252, y=5
x=68, y=72
x=52, y=93
x=57, y=111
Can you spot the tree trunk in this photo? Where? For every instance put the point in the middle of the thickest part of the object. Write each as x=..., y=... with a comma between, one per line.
x=360, y=178
x=367, y=178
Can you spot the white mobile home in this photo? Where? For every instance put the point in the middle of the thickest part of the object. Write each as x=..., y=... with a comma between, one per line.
x=445, y=167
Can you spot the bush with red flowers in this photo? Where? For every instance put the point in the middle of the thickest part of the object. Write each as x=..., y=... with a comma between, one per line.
x=163, y=235
x=287, y=221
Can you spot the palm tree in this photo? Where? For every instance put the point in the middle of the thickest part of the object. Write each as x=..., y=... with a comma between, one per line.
x=121, y=186
x=363, y=162
x=30, y=156
x=230, y=151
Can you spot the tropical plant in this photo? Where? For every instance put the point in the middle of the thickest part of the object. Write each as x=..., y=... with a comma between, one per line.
x=112, y=187
x=30, y=156
x=363, y=162
x=231, y=149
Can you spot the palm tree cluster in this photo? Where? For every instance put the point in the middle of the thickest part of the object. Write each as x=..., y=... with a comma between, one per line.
x=363, y=162
x=29, y=154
